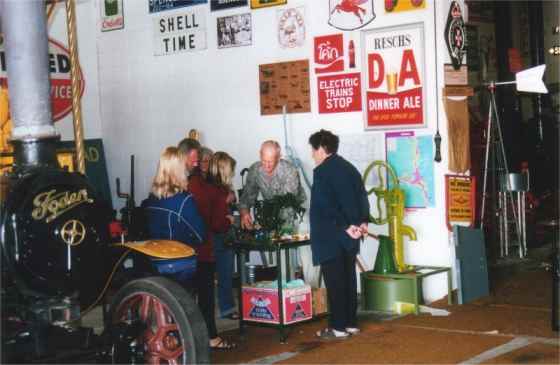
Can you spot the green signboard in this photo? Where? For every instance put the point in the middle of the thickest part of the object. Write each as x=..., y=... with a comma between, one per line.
x=96, y=166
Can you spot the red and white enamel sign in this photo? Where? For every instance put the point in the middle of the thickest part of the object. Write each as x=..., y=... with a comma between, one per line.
x=61, y=85
x=393, y=77
x=339, y=93
x=329, y=53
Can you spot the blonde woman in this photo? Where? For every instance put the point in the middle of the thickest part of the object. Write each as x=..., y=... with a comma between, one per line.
x=207, y=198
x=220, y=174
x=171, y=211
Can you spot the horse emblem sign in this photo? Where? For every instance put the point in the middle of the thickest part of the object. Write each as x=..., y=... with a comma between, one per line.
x=350, y=14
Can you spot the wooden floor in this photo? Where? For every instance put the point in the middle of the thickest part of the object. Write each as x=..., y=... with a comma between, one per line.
x=511, y=326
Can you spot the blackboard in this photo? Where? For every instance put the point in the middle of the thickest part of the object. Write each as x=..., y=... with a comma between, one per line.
x=472, y=269
x=96, y=166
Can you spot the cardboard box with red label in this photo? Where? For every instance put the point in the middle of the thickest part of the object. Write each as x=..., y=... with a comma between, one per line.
x=262, y=305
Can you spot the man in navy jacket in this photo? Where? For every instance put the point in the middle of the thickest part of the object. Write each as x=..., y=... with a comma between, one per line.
x=339, y=215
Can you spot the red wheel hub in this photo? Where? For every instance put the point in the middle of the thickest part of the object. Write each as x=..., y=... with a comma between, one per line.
x=162, y=339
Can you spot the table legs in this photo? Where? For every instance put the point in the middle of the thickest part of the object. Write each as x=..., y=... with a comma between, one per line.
x=242, y=280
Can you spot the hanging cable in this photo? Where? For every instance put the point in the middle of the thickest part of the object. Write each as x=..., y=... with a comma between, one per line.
x=437, y=137
x=292, y=156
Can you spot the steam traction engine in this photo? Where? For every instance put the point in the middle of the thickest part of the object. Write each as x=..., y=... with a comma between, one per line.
x=57, y=260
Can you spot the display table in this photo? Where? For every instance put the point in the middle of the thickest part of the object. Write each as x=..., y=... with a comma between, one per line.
x=381, y=291
x=242, y=249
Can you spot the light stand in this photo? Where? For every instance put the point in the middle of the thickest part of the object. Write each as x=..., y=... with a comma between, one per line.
x=527, y=81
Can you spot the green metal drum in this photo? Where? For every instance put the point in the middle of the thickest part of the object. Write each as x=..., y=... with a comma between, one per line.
x=382, y=293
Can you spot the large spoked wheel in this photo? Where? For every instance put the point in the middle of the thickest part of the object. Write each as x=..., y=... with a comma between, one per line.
x=174, y=331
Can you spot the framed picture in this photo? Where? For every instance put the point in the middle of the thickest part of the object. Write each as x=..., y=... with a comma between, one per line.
x=257, y=4
x=284, y=84
x=394, y=77
x=234, y=30
x=227, y=4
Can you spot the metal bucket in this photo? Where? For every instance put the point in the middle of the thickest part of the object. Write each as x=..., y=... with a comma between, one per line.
x=517, y=182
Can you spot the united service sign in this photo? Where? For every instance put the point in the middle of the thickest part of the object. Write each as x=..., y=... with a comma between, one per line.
x=61, y=84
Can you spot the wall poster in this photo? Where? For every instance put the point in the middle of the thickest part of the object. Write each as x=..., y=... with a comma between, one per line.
x=394, y=77
x=284, y=83
x=412, y=159
x=460, y=200
x=257, y=4
x=339, y=93
x=329, y=53
x=234, y=30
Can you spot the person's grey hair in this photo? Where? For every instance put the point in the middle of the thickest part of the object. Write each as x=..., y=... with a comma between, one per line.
x=187, y=145
x=205, y=152
x=272, y=145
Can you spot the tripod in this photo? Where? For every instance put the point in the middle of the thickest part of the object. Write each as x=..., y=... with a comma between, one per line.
x=501, y=185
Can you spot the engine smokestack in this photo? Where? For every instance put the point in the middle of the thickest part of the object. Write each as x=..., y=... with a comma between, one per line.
x=24, y=26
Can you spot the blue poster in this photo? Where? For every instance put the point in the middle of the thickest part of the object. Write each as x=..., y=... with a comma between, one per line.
x=412, y=159
x=162, y=5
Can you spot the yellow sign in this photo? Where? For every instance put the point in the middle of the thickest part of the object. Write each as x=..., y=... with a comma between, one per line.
x=5, y=131
x=395, y=6
x=66, y=160
x=256, y=4
x=460, y=199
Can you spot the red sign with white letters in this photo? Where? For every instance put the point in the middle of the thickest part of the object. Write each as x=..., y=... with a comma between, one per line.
x=394, y=77
x=329, y=53
x=61, y=84
x=339, y=93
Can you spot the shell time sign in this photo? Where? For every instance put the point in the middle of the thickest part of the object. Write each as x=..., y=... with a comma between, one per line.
x=183, y=31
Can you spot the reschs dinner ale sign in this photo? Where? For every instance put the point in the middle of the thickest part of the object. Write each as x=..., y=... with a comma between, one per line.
x=394, y=77
x=61, y=85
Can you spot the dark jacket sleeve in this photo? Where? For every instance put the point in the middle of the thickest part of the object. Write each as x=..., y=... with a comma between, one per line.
x=191, y=218
x=352, y=197
x=327, y=198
